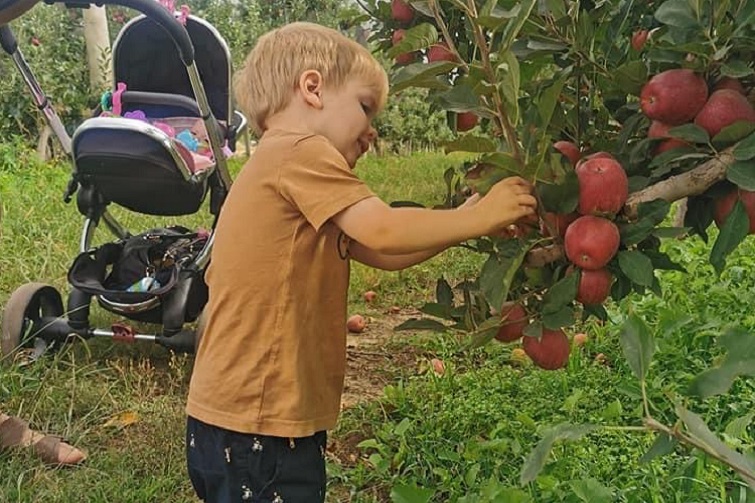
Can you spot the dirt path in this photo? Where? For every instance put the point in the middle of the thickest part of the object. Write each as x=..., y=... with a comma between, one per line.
x=371, y=364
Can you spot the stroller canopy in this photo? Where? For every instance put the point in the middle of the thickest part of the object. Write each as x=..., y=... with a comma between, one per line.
x=145, y=59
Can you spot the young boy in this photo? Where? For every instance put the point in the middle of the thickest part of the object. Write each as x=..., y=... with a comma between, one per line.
x=269, y=370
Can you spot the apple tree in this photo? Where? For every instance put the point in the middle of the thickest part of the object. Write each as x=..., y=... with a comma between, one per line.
x=614, y=110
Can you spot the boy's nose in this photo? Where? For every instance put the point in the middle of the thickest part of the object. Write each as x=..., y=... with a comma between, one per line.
x=371, y=134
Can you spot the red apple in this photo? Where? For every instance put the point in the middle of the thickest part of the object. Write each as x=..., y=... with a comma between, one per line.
x=558, y=222
x=514, y=322
x=550, y=352
x=658, y=129
x=369, y=296
x=638, y=39
x=603, y=186
x=674, y=96
x=439, y=368
x=591, y=242
x=406, y=57
x=466, y=121
x=401, y=11
x=725, y=204
x=594, y=286
x=440, y=52
x=730, y=83
x=580, y=339
x=724, y=108
x=356, y=323
x=569, y=149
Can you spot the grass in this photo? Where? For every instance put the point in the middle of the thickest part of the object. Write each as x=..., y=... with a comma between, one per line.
x=463, y=436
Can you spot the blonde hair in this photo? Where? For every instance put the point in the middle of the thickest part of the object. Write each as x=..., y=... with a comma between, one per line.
x=266, y=83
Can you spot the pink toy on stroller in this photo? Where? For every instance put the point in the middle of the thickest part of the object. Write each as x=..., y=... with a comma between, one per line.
x=159, y=147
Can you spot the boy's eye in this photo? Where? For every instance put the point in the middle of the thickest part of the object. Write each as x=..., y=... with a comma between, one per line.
x=366, y=108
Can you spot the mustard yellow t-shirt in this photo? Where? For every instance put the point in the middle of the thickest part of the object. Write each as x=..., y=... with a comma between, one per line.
x=273, y=355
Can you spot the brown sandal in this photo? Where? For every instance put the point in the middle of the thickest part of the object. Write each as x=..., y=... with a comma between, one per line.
x=15, y=432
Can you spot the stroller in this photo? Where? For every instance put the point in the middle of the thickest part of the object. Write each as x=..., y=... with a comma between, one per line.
x=158, y=147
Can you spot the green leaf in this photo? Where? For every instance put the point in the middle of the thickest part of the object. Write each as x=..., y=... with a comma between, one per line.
x=561, y=294
x=742, y=174
x=509, y=82
x=484, y=333
x=498, y=17
x=655, y=210
x=745, y=149
x=536, y=459
x=561, y=198
x=690, y=132
x=664, y=444
x=422, y=75
x=443, y=293
x=470, y=143
x=736, y=69
x=733, y=232
x=739, y=361
x=637, y=266
x=630, y=77
x=564, y=317
x=635, y=232
x=496, y=276
x=637, y=344
x=733, y=133
x=422, y=324
x=461, y=98
x=737, y=427
x=437, y=310
x=677, y=13
x=546, y=102
x=661, y=260
x=591, y=491
x=698, y=429
x=418, y=37
x=411, y=494
x=514, y=26
x=502, y=160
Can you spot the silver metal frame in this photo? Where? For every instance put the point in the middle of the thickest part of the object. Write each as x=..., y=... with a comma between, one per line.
x=214, y=136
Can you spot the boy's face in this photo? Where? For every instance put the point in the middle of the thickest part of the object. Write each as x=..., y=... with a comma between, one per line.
x=346, y=118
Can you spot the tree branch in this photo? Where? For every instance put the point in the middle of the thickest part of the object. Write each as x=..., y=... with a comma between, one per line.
x=691, y=183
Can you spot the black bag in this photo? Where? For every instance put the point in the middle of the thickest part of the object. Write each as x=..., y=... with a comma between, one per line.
x=158, y=254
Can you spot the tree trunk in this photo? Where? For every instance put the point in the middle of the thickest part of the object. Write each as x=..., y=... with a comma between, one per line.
x=98, y=47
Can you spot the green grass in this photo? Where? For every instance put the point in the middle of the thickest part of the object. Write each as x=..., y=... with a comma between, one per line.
x=464, y=435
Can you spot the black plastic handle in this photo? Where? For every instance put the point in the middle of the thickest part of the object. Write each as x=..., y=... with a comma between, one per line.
x=7, y=40
x=157, y=13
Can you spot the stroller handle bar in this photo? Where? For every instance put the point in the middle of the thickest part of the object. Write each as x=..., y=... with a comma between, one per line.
x=7, y=40
x=11, y=9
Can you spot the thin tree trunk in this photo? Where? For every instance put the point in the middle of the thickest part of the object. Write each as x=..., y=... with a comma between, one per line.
x=98, y=47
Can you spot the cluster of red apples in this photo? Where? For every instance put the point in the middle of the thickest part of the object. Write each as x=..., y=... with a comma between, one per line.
x=591, y=239
x=404, y=15
x=681, y=96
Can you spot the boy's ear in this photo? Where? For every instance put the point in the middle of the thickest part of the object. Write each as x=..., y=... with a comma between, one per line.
x=310, y=86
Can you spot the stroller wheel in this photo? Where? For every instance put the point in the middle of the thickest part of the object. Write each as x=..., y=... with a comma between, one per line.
x=27, y=304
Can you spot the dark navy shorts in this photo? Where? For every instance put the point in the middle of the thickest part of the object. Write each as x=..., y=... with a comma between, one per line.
x=230, y=467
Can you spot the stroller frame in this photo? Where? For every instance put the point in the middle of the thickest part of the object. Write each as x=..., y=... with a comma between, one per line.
x=34, y=317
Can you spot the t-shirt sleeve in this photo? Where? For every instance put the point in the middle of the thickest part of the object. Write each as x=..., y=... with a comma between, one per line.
x=318, y=181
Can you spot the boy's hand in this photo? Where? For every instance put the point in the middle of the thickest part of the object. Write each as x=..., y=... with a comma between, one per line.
x=507, y=201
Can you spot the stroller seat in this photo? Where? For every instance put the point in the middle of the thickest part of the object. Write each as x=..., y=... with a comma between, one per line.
x=152, y=154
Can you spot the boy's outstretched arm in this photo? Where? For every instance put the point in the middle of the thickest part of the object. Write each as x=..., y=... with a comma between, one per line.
x=387, y=262
x=409, y=231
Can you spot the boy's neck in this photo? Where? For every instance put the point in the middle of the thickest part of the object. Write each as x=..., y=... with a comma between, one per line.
x=293, y=118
